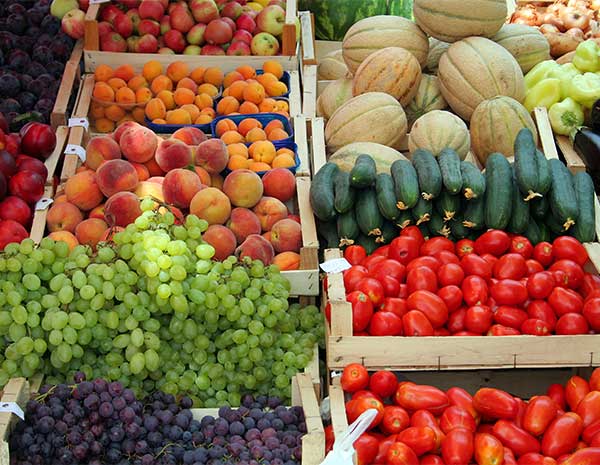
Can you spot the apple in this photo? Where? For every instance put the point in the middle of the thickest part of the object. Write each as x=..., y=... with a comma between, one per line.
x=231, y=23
x=16, y=209
x=246, y=22
x=27, y=163
x=166, y=51
x=218, y=32
x=181, y=19
x=73, y=24
x=28, y=185
x=279, y=3
x=271, y=20
x=134, y=15
x=239, y=48
x=212, y=50
x=252, y=13
x=192, y=50
x=8, y=165
x=242, y=36
x=195, y=35
x=124, y=25
x=204, y=11
x=175, y=40
x=151, y=9
x=128, y=4
x=59, y=8
x=165, y=24
x=149, y=26
x=133, y=44
x=104, y=27
x=264, y=44
x=37, y=140
x=4, y=185
x=232, y=10
x=11, y=231
x=113, y=42
x=148, y=44
x=84, y=5
x=109, y=13
x=254, y=6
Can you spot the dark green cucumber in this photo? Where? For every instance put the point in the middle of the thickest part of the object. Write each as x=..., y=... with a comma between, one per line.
x=533, y=232
x=554, y=224
x=449, y=162
x=474, y=214
x=473, y=181
x=543, y=170
x=389, y=232
x=563, y=201
x=545, y=233
x=368, y=242
x=386, y=197
x=363, y=172
x=447, y=205
x=422, y=211
x=367, y=213
x=457, y=228
x=519, y=217
x=404, y=219
x=499, y=191
x=425, y=230
x=539, y=207
x=437, y=225
x=585, y=227
x=347, y=228
x=406, y=184
x=526, y=170
x=428, y=172
x=327, y=230
x=345, y=195
x=322, y=193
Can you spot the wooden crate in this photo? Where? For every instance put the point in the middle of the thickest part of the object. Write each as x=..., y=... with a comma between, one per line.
x=68, y=86
x=311, y=85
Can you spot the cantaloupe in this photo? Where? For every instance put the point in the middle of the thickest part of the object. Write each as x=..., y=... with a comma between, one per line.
x=437, y=130
x=392, y=70
x=382, y=155
x=377, y=32
x=332, y=66
x=476, y=69
x=334, y=96
x=371, y=117
x=495, y=125
x=428, y=98
x=452, y=20
x=526, y=43
x=436, y=49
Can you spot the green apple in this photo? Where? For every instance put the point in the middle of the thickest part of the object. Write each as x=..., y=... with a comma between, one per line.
x=59, y=8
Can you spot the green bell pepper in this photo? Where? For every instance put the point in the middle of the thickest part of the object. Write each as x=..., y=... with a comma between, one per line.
x=565, y=116
x=539, y=72
x=587, y=57
x=585, y=89
x=565, y=73
x=544, y=94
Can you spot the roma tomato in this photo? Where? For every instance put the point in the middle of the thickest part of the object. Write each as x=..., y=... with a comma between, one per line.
x=465, y=247
x=539, y=413
x=391, y=286
x=589, y=408
x=576, y=388
x=373, y=289
x=591, y=312
x=436, y=244
x=500, y=330
x=390, y=268
x=510, y=316
x=478, y=319
x=426, y=418
x=541, y=310
x=452, y=297
x=461, y=398
x=353, y=275
x=510, y=266
x=441, y=332
x=383, y=383
x=371, y=262
x=362, y=310
x=594, y=380
x=385, y=324
x=456, y=320
x=556, y=392
x=383, y=251
x=562, y=435
x=366, y=447
x=509, y=457
x=384, y=445
x=535, y=327
x=591, y=283
x=572, y=323
x=415, y=323
x=414, y=232
x=517, y=439
x=395, y=419
x=445, y=257
x=587, y=456
x=509, y=292
x=400, y=454
x=473, y=264
x=542, y=252
x=450, y=274
x=404, y=249
x=495, y=404
x=403, y=291
x=488, y=450
x=533, y=266
x=355, y=254
x=570, y=248
x=475, y=290
x=430, y=459
x=534, y=458
x=564, y=300
x=431, y=305
x=362, y=405
x=354, y=378
x=493, y=241
x=540, y=285
x=573, y=273
x=522, y=246
x=416, y=397
x=458, y=448
x=425, y=261
x=591, y=431
x=395, y=305
x=421, y=279
x=421, y=439
x=457, y=417
x=489, y=258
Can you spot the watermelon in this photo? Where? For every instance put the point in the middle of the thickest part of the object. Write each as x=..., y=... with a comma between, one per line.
x=402, y=8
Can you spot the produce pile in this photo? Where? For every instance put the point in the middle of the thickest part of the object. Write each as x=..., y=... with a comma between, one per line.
x=423, y=425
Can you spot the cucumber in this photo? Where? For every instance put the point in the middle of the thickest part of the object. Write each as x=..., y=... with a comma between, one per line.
x=437, y=225
x=539, y=207
x=389, y=232
x=474, y=214
x=533, y=232
x=563, y=201
x=345, y=195
x=422, y=211
x=553, y=224
x=543, y=170
x=368, y=242
x=519, y=216
x=327, y=230
x=386, y=197
x=449, y=162
x=363, y=173
x=425, y=230
x=406, y=184
x=447, y=205
x=545, y=233
x=499, y=191
x=347, y=228
x=428, y=172
x=322, y=192
x=368, y=217
x=473, y=181
x=457, y=228
x=585, y=227
x=404, y=219
x=526, y=170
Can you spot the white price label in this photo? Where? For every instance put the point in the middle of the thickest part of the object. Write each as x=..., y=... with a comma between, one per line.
x=98, y=1
x=12, y=407
x=79, y=122
x=43, y=204
x=337, y=265
x=73, y=149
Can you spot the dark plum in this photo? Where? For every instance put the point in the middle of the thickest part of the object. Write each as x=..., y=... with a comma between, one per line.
x=55, y=68
x=10, y=105
x=44, y=106
x=33, y=31
x=42, y=54
x=9, y=85
x=18, y=60
x=50, y=25
x=17, y=23
x=36, y=15
x=8, y=41
x=16, y=8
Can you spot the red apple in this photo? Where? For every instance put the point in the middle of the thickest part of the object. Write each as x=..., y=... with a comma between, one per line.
x=252, y=13
x=16, y=209
x=242, y=35
x=84, y=5
x=166, y=51
x=148, y=44
x=246, y=23
x=192, y=50
x=37, y=140
x=175, y=40
x=124, y=25
x=109, y=13
x=73, y=24
x=231, y=23
x=8, y=166
x=165, y=25
x=27, y=163
x=271, y=19
x=113, y=42
x=264, y=44
x=149, y=26
x=204, y=11
x=128, y=4
x=218, y=32
x=151, y=9
x=104, y=28
x=212, y=50
x=232, y=10
x=134, y=15
x=133, y=44
x=28, y=185
x=239, y=48
x=181, y=19
x=195, y=35
x=11, y=231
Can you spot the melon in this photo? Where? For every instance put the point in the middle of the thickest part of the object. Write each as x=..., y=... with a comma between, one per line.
x=453, y=20
x=392, y=70
x=476, y=69
x=495, y=125
x=371, y=117
x=526, y=43
x=428, y=98
x=382, y=155
x=332, y=66
x=437, y=130
x=334, y=96
x=371, y=34
x=436, y=49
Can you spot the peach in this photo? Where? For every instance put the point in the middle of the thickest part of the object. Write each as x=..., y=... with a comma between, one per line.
x=172, y=154
x=257, y=248
x=204, y=175
x=149, y=189
x=279, y=183
x=269, y=211
x=212, y=155
x=122, y=128
x=65, y=236
x=60, y=198
x=243, y=222
x=153, y=168
x=110, y=233
x=122, y=209
x=116, y=176
x=82, y=190
x=157, y=179
x=286, y=236
x=222, y=239
x=287, y=261
x=211, y=205
x=100, y=149
x=96, y=212
x=89, y=231
x=243, y=187
x=63, y=216
x=216, y=180
x=189, y=135
x=142, y=171
x=180, y=186
x=138, y=144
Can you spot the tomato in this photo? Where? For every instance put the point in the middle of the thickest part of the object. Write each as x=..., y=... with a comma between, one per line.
x=573, y=273
x=540, y=285
x=426, y=418
x=594, y=381
x=488, y=450
x=565, y=301
x=415, y=323
x=366, y=447
x=464, y=247
x=400, y=454
x=431, y=305
x=556, y=392
x=509, y=292
x=590, y=431
x=572, y=323
x=461, y=398
x=430, y=459
x=509, y=457
x=541, y=310
x=384, y=445
x=435, y=244
x=385, y=324
x=370, y=262
x=445, y=257
x=421, y=278
x=426, y=261
x=500, y=330
x=489, y=258
x=487, y=428
x=441, y=332
x=587, y=456
x=383, y=383
x=456, y=320
x=395, y=305
x=510, y=316
x=457, y=417
x=384, y=251
x=416, y=397
x=495, y=403
x=452, y=297
x=420, y=439
x=395, y=419
x=362, y=310
x=391, y=286
x=522, y=405
x=570, y=248
x=364, y=393
x=535, y=327
x=562, y=435
x=493, y=241
x=403, y=291
x=589, y=408
x=539, y=413
x=478, y=319
x=414, y=232
x=475, y=290
x=329, y=438
x=473, y=264
x=373, y=289
x=354, y=378
x=534, y=458
x=457, y=448
x=510, y=266
x=362, y=405
x=355, y=254
x=517, y=439
x=533, y=266
x=591, y=311
x=522, y=246
x=543, y=253
x=404, y=249
x=390, y=268
x=591, y=283
x=450, y=273
x=353, y=275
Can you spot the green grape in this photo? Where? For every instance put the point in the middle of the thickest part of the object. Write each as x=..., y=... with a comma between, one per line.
x=19, y=314
x=31, y=282
x=69, y=335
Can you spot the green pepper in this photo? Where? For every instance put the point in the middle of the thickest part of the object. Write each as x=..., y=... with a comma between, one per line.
x=544, y=94
x=587, y=57
x=539, y=72
x=565, y=116
x=565, y=73
x=585, y=89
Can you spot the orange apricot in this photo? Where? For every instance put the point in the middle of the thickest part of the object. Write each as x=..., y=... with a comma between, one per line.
x=248, y=108
x=273, y=67
x=237, y=162
x=137, y=82
x=114, y=113
x=263, y=151
x=103, y=73
x=237, y=149
x=209, y=89
x=161, y=82
x=266, y=78
x=183, y=96
x=247, y=124
x=103, y=92
x=168, y=99
x=125, y=72
x=276, y=89
x=275, y=124
x=137, y=114
x=268, y=105
x=247, y=71
x=156, y=109
x=209, y=111
x=228, y=105
x=203, y=101
x=214, y=76
x=278, y=134
x=284, y=161
x=177, y=70
x=259, y=166
x=193, y=110
x=125, y=95
x=225, y=125
x=232, y=137
x=143, y=95
x=96, y=110
x=255, y=134
x=151, y=70
x=188, y=83
x=197, y=75
x=105, y=125
x=236, y=90
x=231, y=77
x=282, y=106
x=204, y=119
x=178, y=116
x=254, y=93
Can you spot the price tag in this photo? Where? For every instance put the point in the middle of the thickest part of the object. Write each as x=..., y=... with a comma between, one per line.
x=337, y=265
x=12, y=407
x=43, y=204
x=79, y=122
x=73, y=149
x=98, y=1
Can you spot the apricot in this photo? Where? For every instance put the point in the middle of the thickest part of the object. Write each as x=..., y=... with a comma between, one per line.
x=237, y=162
x=104, y=125
x=125, y=72
x=247, y=71
x=209, y=111
x=114, y=113
x=143, y=95
x=125, y=95
x=254, y=93
x=248, y=108
x=214, y=76
x=243, y=187
x=266, y=78
x=197, y=75
x=257, y=248
x=159, y=83
x=237, y=149
x=116, y=176
x=209, y=89
x=228, y=105
x=103, y=92
x=247, y=124
x=90, y=231
x=203, y=175
x=286, y=236
x=211, y=205
x=203, y=101
x=258, y=166
x=100, y=149
x=262, y=151
x=273, y=67
x=283, y=161
x=192, y=110
x=138, y=144
x=269, y=211
x=236, y=90
x=178, y=116
x=212, y=155
x=188, y=83
x=116, y=83
x=137, y=82
x=172, y=154
x=232, y=137
x=287, y=261
x=65, y=236
x=177, y=70
x=276, y=89
x=222, y=239
x=180, y=186
x=82, y=190
x=155, y=109
x=96, y=110
x=243, y=222
x=204, y=119
x=189, y=135
x=103, y=73
x=63, y=216
x=268, y=105
x=255, y=135
x=151, y=70
x=275, y=124
x=282, y=106
x=168, y=98
x=225, y=125
x=216, y=180
x=232, y=77
x=183, y=96
x=122, y=208
x=279, y=183
x=142, y=171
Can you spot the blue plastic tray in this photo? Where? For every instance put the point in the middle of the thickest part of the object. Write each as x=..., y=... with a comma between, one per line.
x=171, y=128
x=264, y=118
x=293, y=169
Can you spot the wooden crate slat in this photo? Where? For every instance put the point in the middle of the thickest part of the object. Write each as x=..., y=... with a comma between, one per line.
x=62, y=134
x=17, y=391
x=301, y=139
x=309, y=81
x=308, y=38
x=319, y=153
x=71, y=75
x=337, y=407
x=545, y=132
x=295, y=95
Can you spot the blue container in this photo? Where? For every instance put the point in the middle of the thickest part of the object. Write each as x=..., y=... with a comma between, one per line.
x=264, y=118
x=293, y=169
x=171, y=128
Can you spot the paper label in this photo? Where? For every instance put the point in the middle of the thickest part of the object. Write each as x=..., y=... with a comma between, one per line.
x=337, y=265
x=43, y=204
x=12, y=407
x=79, y=122
x=98, y=1
x=78, y=150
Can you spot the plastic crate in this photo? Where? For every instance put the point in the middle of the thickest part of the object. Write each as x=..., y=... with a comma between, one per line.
x=264, y=118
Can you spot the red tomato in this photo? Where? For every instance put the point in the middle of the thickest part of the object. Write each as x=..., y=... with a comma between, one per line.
x=458, y=448
x=395, y=305
x=478, y=319
x=522, y=246
x=591, y=311
x=562, y=435
x=493, y=241
x=383, y=251
x=416, y=397
x=510, y=316
x=385, y=324
x=539, y=413
x=500, y=330
x=430, y=459
x=533, y=266
x=457, y=417
x=509, y=292
x=415, y=323
x=572, y=323
x=370, y=262
x=573, y=273
x=373, y=289
x=510, y=266
x=362, y=405
x=449, y=274
x=366, y=447
x=384, y=445
x=432, y=306
x=591, y=431
x=543, y=253
x=589, y=408
x=509, y=457
x=404, y=249
x=473, y=264
x=565, y=301
x=587, y=456
x=452, y=297
x=414, y=232
x=391, y=286
x=403, y=291
x=517, y=439
x=383, y=383
x=521, y=413
x=594, y=380
x=355, y=254
x=353, y=275
x=456, y=320
x=441, y=332
x=464, y=247
x=575, y=390
x=535, y=327
x=420, y=439
x=541, y=310
x=354, y=378
x=364, y=393
x=435, y=244
x=421, y=278
x=556, y=392
x=591, y=283
x=475, y=290
x=488, y=450
x=535, y=459
x=445, y=257
x=425, y=261
x=540, y=285
x=489, y=258
x=495, y=403
x=426, y=418
x=487, y=428
x=570, y=248
x=362, y=310
x=390, y=268
x=400, y=454
x=461, y=398
x=395, y=419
